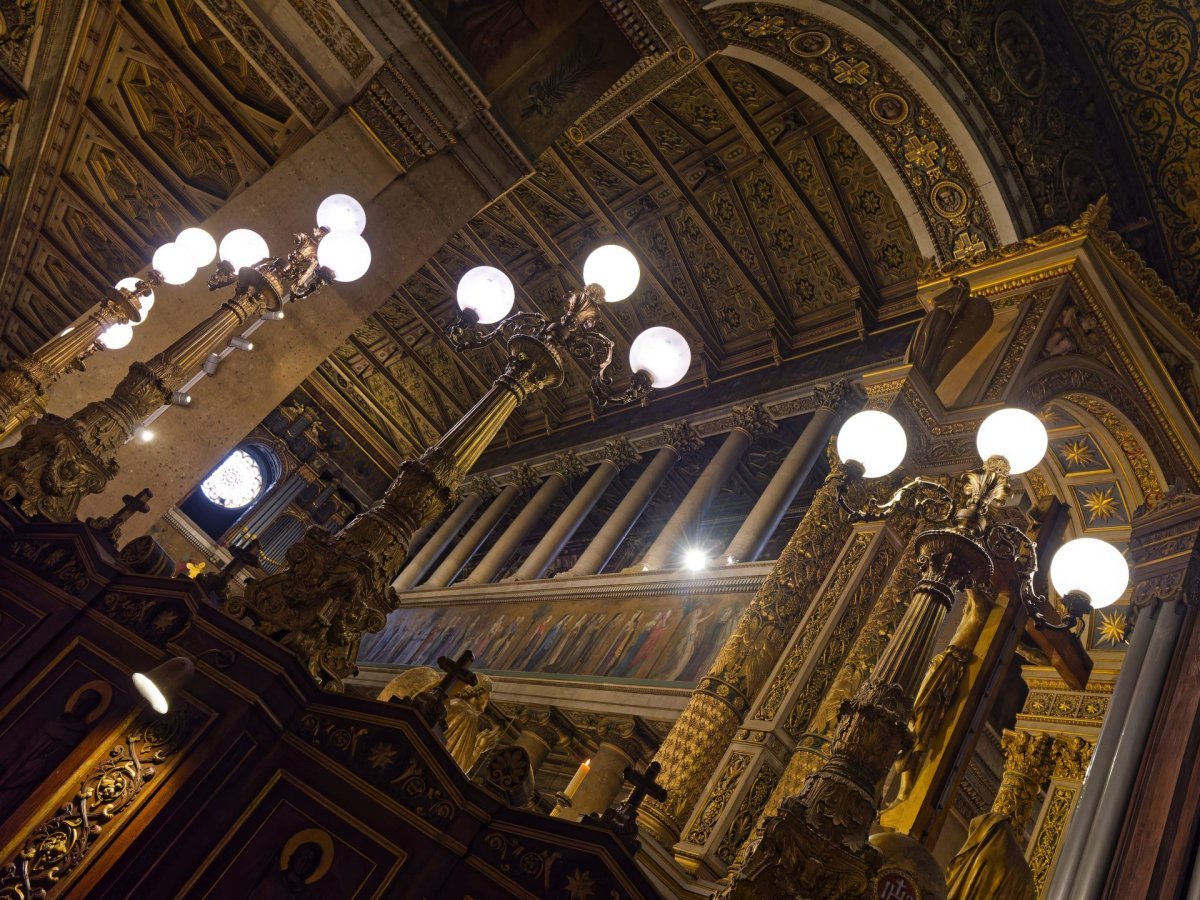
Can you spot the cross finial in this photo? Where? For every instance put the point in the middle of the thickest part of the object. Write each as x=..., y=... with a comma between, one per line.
x=130, y=506
x=622, y=819
x=431, y=704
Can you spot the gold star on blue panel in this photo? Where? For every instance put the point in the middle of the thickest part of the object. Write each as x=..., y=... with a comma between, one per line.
x=1079, y=455
x=1109, y=628
x=1101, y=505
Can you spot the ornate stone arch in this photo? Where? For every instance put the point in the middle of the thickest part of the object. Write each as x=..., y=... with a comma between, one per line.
x=949, y=194
x=1118, y=406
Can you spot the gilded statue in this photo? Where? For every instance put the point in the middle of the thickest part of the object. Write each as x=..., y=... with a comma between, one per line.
x=955, y=324
x=990, y=864
x=941, y=687
x=465, y=736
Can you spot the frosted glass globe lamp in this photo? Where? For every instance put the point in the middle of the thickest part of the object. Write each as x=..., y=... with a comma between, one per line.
x=199, y=244
x=146, y=300
x=615, y=269
x=116, y=336
x=346, y=254
x=874, y=440
x=341, y=212
x=662, y=353
x=1092, y=567
x=174, y=263
x=1017, y=435
x=242, y=247
x=487, y=292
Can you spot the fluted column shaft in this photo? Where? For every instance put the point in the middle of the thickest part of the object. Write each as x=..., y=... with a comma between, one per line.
x=424, y=558
x=475, y=536
x=625, y=516
x=520, y=527
x=752, y=537
x=1089, y=881
x=1062, y=882
x=602, y=785
x=619, y=454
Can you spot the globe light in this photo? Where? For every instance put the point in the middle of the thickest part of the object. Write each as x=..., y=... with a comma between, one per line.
x=487, y=292
x=615, y=269
x=1095, y=567
x=1017, y=435
x=242, y=247
x=199, y=243
x=146, y=299
x=663, y=353
x=341, y=212
x=346, y=254
x=114, y=337
x=875, y=440
x=174, y=263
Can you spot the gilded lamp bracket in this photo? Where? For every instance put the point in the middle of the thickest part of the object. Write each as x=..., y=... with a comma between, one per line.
x=1011, y=543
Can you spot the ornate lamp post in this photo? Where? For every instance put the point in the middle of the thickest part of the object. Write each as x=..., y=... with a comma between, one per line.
x=816, y=845
x=337, y=587
x=59, y=461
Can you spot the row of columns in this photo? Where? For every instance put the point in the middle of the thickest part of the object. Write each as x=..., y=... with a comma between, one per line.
x=749, y=422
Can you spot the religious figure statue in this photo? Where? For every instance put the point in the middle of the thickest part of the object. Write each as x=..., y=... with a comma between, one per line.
x=41, y=749
x=941, y=686
x=990, y=864
x=946, y=335
x=465, y=739
x=304, y=860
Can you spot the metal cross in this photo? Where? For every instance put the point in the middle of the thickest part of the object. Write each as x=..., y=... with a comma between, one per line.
x=457, y=670
x=644, y=784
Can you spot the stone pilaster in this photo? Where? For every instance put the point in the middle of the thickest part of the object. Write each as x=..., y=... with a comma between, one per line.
x=1071, y=758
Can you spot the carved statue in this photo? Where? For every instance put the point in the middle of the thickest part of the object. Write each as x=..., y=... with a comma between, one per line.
x=990, y=864
x=946, y=335
x=941, y=686
x=465, y=739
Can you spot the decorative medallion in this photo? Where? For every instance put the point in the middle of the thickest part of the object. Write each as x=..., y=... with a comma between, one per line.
x=896, y=886
x=949, y=199
x=1020, y=53
x=889, y=108
x=810, y=44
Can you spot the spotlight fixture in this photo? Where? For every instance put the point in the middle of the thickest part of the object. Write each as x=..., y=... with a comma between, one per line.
x=271, y=315
x=240, y=343
x=210, y=363
x=162, y=685
x=181, y=398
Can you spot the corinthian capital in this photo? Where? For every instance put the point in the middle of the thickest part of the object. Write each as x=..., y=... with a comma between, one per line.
x=838, y=396
x=524, y=478
x=620, y=453
x=753, y=419
x=682, y=438
x=568, y=465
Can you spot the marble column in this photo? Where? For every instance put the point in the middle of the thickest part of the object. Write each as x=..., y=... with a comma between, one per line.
x=680, y=439
x=566, y=467
x=523, y=480
x=538, y=737
x=671, y=543
x=602, y=786
x=1075, y=840
x=473, y=495
x=752, y=537
x=1113, y=807
x=617, y=455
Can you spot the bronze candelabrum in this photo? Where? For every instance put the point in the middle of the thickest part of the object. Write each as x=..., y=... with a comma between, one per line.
x=58, y=461
x=337, y=587
x=23, y=384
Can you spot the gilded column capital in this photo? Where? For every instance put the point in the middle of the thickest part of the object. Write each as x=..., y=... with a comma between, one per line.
x=1029, y=761
x=524, y=478
x=682, y=437
x=1164, y=549
x=485, y=487
x=838, y=396
x=753, y=419
x=568, y=465
x=620, y=453
x=1071, y=757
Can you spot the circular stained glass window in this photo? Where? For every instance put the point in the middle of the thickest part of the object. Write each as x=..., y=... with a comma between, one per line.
x=236, y=482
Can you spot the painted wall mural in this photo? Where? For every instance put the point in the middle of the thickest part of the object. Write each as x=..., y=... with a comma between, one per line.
x=664, y=639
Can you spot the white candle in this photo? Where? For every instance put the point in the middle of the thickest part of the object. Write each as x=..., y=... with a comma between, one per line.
x=577, y=780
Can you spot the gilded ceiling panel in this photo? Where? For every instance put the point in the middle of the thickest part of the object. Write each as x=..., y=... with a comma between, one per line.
x=755, y=243
x=83, y=237
x=34, y=314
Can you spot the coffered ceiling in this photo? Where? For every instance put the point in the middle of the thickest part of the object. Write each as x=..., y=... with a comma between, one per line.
x=762, y=229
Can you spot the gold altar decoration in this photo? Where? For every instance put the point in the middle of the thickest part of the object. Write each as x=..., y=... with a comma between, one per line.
x=23, y=384
x=697, y=741
x=465, y=738
x=59, y=461
x=992, y=862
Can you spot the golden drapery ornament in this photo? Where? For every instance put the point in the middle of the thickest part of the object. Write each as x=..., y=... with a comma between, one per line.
x=464, y=737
